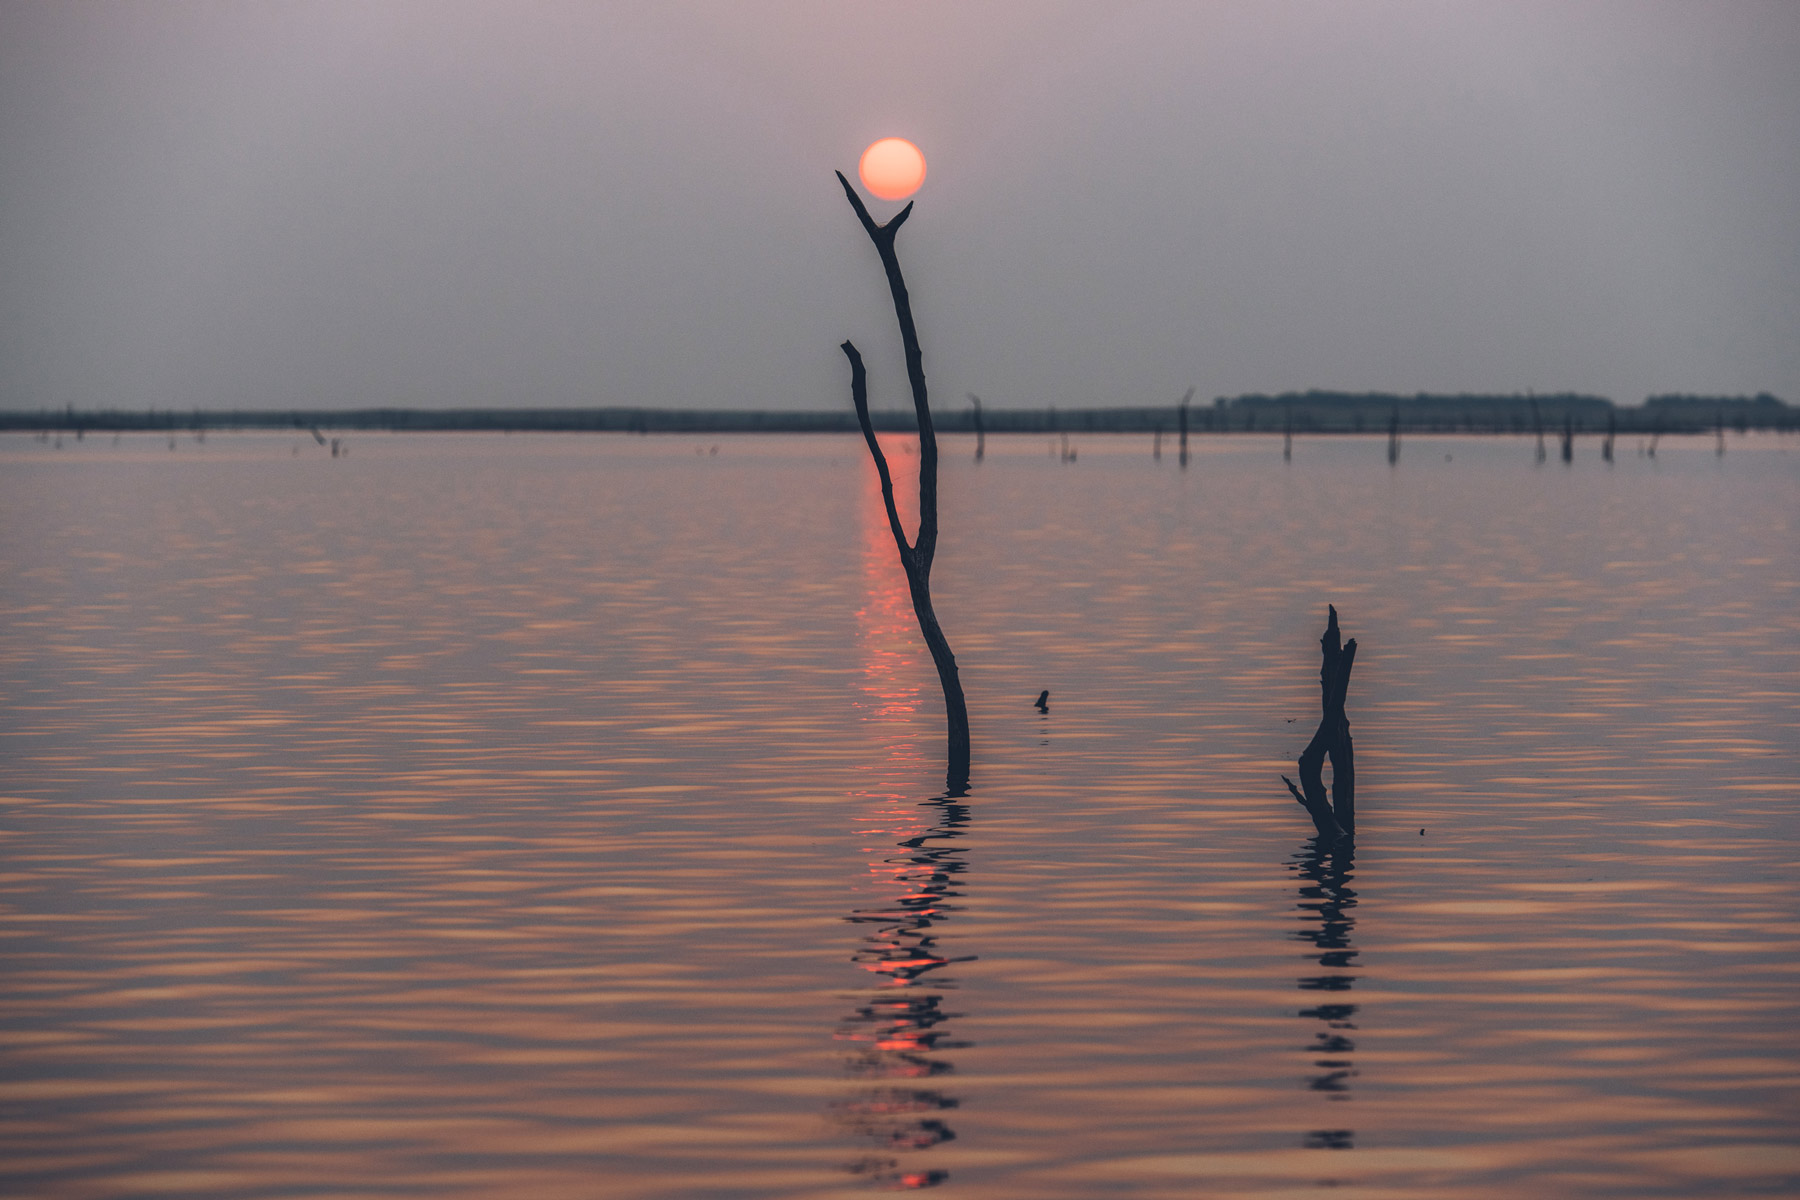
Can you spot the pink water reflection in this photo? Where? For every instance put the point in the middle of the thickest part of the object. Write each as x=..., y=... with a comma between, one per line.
x=479, y=817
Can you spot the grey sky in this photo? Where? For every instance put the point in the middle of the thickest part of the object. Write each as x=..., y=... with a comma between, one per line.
x=327, y=204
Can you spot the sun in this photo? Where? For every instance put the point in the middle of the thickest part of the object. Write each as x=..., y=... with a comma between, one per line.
x=892, y=168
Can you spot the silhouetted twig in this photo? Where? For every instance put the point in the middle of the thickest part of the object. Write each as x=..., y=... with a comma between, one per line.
x=916, y=556
x=1335, y=817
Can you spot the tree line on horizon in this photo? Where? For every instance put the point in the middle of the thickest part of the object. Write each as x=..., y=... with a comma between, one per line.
x=1297, y=412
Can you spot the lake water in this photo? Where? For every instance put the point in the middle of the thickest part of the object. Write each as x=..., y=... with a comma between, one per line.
x=563, y=817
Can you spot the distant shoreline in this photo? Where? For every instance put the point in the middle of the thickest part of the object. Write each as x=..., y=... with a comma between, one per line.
x=1303, y=412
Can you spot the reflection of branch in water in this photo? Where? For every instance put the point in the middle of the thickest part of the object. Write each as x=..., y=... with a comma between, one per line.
x=900, y=1031
x=1327, y=898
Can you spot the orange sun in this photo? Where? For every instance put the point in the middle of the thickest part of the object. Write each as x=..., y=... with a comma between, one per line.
x=892, y=168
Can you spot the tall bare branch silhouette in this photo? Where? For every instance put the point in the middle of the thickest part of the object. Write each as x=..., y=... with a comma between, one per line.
x=915, y=556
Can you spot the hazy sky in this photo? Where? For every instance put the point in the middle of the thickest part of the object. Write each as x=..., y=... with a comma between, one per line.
x=326, y=204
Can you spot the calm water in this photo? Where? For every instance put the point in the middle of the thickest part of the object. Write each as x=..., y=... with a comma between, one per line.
x=560, y=817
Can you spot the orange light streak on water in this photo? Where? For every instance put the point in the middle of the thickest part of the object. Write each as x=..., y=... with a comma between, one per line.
x=900, y=1030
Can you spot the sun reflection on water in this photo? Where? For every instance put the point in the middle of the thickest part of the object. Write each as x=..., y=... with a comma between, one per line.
x=894, y=676
x=899, y=1033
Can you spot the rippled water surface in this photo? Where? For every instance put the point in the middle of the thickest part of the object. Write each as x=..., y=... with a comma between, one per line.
x=563, y=817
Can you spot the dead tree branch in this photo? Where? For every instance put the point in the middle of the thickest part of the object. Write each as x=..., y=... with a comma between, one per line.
x=915, y=557
x=1334, y=818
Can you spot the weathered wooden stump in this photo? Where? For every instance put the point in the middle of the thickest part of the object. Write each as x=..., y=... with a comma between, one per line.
x=1335, y=817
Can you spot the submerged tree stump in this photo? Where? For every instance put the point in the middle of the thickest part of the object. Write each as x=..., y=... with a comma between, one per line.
x=1335, y=818
x=915, y=556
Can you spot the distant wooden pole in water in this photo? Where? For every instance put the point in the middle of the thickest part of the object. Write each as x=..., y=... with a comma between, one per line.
x=1181, y=413
x=980, y=433
x=916, y=556
x=1612, y=428
x=1568, y=437
x=1394, y=436
x=1537, y=424
x=1334, y=818
x=1287, y=437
